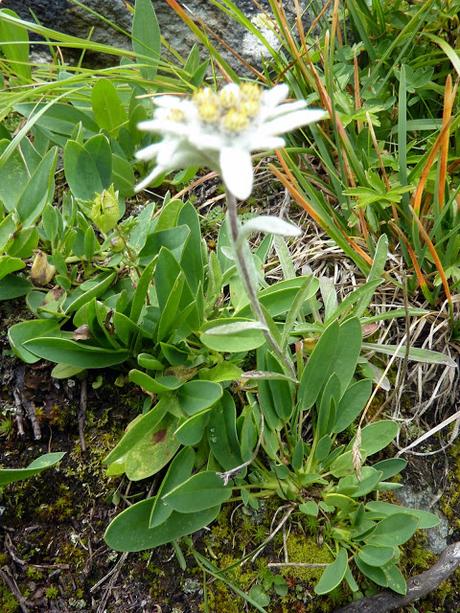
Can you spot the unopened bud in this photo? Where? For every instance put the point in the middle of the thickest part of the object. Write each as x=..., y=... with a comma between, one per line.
x=117, y=244
x=42, y=272
x=105, y=211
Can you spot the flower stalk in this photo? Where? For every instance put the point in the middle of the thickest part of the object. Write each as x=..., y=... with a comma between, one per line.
x=243, y=268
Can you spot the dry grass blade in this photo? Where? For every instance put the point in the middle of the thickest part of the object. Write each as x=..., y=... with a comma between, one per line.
x=435, y=256
x=417, y=199
x=431, y=432
x=449, y=97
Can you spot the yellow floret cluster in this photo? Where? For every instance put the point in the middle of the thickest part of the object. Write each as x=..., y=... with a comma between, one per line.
x=176, y=114
x=230, y=109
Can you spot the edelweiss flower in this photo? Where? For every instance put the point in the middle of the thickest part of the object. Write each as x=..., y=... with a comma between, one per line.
x=221, y=130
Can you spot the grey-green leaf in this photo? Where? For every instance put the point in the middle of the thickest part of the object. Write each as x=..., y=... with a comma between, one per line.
x=333, y=574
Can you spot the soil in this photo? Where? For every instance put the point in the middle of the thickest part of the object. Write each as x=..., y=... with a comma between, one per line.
x=52, y=553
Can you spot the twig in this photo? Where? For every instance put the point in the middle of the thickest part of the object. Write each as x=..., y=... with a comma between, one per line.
x=111, y=572
x=82, y=413
x=19, y=414
x=297, y=564
x=273, y=534
x=115, y=572
x=22, y=403
x=418, y=587
x=30, y=410
x=11, y=583
x=10, y=549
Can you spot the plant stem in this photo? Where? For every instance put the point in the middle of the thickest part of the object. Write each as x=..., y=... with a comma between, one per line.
x=249, y=287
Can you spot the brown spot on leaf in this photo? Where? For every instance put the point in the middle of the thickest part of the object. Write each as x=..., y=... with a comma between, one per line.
x=159, y=436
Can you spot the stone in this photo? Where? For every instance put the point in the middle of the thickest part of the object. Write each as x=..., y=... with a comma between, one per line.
x=409, y=497
x=67, y=17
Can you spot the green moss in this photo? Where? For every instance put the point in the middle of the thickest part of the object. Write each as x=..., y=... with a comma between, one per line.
x=305, y=550
x=450, y=502
x=51, y=592
x=34, y=573
x=8, y=603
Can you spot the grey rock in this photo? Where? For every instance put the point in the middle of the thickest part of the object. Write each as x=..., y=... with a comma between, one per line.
x=437, y=537
x=67, y=17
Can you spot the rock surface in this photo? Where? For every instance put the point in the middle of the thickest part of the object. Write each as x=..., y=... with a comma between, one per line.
x=67, y=17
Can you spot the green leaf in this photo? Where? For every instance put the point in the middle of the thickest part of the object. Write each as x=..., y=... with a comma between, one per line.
x=192, y=262
x=140, y=295
x=64, y=371
x=9, y=475
x=244, y=340
x=309, y=508
x=373, y=573
x=146, y=38
x=24, y=243
x=390, y=467
x=342, y=465
x=179, y=471
x=333, y=574
x=191, y=431
x=280, y=389
x=259, y=595
x=16, y=170
x=317, y=370
x=376, y=556
x=19, y=333
x=393, y=530
x=39, y=190
x=149, y=362
x=351, y=404
x=173, y=239
x=417, y=354
x=9, y=265
x=278, y=298
x=151, y=452
x=356, y=488
x=225, y=371
x=93, y=288
x=202, y=491
x=14, y=45
x=384, y=509
x=195, y=396
x=130, y=531
x=347, y=352
x=451, y=53
x=395, y=579
x=122, y=175
x=12, y=286
x=377, y=435
x=327, y=409
x=88, y=168
x=107, y=107
x=8, y=226
x=60, y=119
x=141, y=425
x=74, y=353
x=159, y=385
x=340, y=501
x=222, y=434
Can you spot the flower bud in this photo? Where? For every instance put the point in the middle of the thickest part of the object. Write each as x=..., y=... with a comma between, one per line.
x=42, y=272
x=117, y=244
x=105, y=211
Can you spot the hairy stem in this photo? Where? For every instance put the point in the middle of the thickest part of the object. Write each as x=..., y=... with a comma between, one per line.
x=243, y=268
